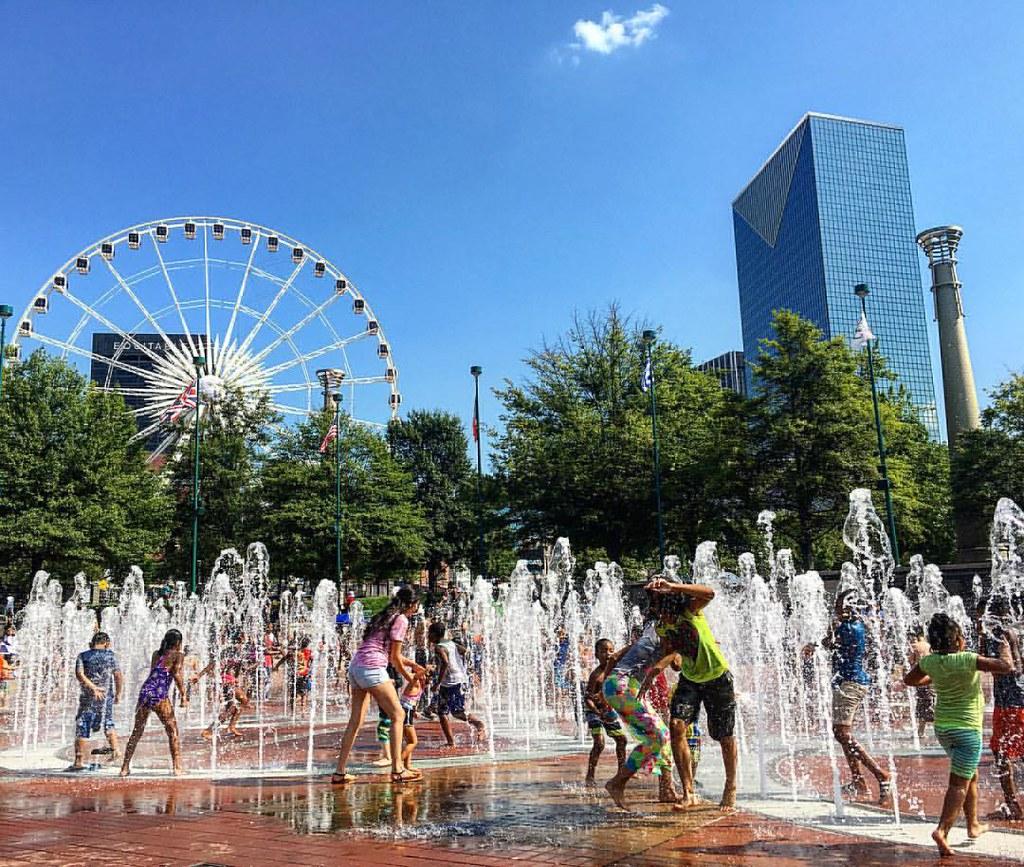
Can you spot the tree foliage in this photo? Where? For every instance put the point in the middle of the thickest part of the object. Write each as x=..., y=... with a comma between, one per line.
x=814, y=439
x=75, y=493
x=575, y=456
x=430, y=446
x=383, y=528
x=235, y=433
x=988, y=463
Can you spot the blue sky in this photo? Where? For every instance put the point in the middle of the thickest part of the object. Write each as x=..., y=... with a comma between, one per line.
x=479, y=176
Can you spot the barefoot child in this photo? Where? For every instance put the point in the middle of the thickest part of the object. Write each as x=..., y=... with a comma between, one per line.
x=166, y=667
x=452, y=680
x=959, y=711
x=850, y=686
x=100, y=677
x=409, y=698
x=1007, y=742
x=600, y=717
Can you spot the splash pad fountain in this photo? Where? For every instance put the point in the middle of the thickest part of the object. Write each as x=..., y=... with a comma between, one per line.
x=529, y=646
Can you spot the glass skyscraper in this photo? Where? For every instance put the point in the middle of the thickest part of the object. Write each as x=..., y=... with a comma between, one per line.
x=829, y=209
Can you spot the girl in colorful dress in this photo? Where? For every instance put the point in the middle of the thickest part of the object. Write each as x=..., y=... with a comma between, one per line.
x=624, y=692
x=165, y=669
x=959, y=710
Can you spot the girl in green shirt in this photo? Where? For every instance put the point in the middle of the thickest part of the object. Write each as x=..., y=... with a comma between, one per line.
x=959, y=710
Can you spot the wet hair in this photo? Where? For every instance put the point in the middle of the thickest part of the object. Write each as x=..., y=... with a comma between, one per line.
x=915, y=631
x=172, y=641
x=943, y=633
x=304, y=643
x=998, y=605
x=404, y=598
x=599, y=642
x=99, y=638
x=436, y=631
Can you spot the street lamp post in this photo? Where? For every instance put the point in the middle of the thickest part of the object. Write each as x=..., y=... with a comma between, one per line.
x=6, y=312
x=861, y=291
x=336, y=397
x=475, y=372
x=199, y=362
x=649, y=338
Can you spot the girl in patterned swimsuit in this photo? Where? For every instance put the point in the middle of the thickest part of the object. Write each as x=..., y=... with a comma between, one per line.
x=154, y=695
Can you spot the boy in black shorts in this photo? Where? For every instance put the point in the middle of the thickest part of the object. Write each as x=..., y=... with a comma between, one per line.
x=600, y=717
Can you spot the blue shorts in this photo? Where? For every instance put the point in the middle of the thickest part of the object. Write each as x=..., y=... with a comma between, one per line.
x=452, y=700
x=963, y=746
x=90, y=719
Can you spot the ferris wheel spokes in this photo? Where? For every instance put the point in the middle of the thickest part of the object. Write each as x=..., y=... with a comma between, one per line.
x=174, y=294
x=255, y=242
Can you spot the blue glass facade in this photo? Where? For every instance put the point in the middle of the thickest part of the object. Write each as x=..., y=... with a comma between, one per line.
x=832, y=208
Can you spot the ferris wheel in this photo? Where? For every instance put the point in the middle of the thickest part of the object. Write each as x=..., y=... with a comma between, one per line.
x=260, y=311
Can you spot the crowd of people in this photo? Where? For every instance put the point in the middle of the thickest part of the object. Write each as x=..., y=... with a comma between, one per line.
x=626, y=695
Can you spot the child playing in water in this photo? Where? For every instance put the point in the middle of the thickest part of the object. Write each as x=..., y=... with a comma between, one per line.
x=1007, y=743
x=100, y=677
x=452, y=680
x=409, y=698
x=924, y=696
x=165, y=668
x=600, y=717
x=959, y=711
x=303, y=673
x=234, y=698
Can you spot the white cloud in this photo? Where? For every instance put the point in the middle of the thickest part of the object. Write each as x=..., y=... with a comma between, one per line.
x=613, y=31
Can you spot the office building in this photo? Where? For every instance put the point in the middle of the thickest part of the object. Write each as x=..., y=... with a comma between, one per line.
x=730, y=370
x=114, y=347
x=829, y=209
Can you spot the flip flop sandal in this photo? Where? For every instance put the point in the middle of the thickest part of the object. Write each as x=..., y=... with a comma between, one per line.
x=75, y=769
x=407, y=777
x=342, y=779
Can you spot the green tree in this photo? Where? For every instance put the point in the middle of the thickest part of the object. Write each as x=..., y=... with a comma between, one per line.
x=75, y=492
x=812, y=434
x=383, y=529
x=576, y=454
x=988, y=463
x=431, y=447
x=235, y=434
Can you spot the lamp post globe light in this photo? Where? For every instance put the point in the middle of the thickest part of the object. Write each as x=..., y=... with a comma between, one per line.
x=475, y=372
x=862, y=291
x=649, y=384
x=199, y=362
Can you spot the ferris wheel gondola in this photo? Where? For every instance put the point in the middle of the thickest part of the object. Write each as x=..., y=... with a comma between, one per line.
x=139, y=305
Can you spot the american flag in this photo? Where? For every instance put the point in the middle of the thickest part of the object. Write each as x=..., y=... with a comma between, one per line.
x=331, y=435
x=185, y=402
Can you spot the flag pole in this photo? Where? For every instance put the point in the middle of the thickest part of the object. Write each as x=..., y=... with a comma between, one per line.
x=337, y=491
x=861, y=291
x=6, y=312
x=475, y=372
x=649, y=337
x=199, y=361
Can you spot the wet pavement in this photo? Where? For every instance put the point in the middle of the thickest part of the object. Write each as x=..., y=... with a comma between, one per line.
x=468, y=810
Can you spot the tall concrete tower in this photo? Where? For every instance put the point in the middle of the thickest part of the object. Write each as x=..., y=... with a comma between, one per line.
x=939, y=245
